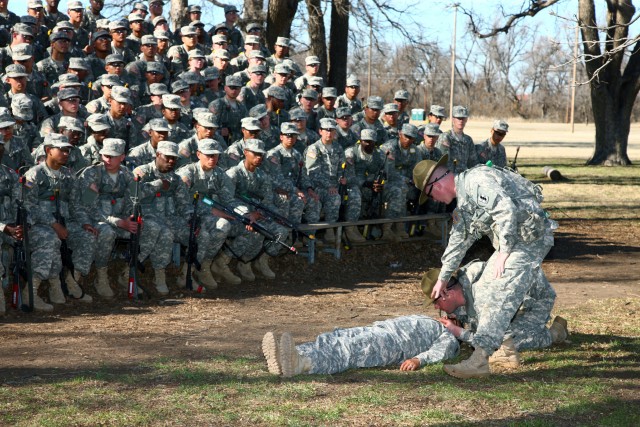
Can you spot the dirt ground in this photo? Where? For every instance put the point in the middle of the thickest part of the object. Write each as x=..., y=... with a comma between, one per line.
x=591, y=260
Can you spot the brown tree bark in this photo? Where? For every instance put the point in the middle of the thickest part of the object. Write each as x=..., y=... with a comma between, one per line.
x=317, y=36
x=280, y=14
x=178, y=13
x=338, y=44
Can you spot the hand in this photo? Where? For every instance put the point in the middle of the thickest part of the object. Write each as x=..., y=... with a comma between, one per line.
x=61, y=231
x=377, y=187
x=283, y=193
x=302, y=196
x=451, y=326
x=254, y=216
x=90, y=229
x=439, y=289
x=343, y=180
x=14, y=231
x=333, y=191
x=498, y=267
x=410, y=365
x=313, y=195
x=128, y=225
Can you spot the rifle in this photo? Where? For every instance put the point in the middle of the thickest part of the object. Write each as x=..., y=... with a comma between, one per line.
x=192, y=248
x=344, y=197
x=22, y=258
x=375, y=208
x=134, y=245
x=513, y=165
x=274, y=216
x=65, y=250
x=246, y=221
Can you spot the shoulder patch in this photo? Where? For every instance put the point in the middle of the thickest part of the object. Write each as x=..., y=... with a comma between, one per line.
x=138, y=172
x=186, y=180
x=184, y=152
x=274, y=160
x=485, y=197
x=312, y=154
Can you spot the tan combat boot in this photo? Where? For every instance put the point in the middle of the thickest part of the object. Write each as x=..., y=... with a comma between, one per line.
x=506, y=357
x=38, y=303
x=75, y=291
x=354, y=235
x=261, y=265
x=102, y=283
x=476, y=366
x=558, y=330
x=246, y=273
x=56, y=295
x=290, y=361
x=400, y=231
x=220, y=267
x=387, y=233
x=161, y=282
x=204, y=276
x=330, y=237
x=270, y=350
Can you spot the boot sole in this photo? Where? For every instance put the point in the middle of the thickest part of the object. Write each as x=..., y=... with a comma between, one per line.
x=287, y=353
x=462, y=375
x=270, y=351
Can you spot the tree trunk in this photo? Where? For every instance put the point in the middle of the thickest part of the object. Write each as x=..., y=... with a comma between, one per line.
x=253, y=11
x=280, y=15
x=317, y=37
x=178, y=13
x=613, y=121
x=338, y=44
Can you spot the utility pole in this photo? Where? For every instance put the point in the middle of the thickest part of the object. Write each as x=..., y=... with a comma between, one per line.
x=453, y=59
x=370, y=50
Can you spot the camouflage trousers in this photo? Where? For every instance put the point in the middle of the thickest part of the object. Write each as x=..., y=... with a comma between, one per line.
x=395, y=198
x=329, y=203
x=45, y=250
x=242, y=243
x=218, y=229
x=294, y=207
x=108, y=235
x=388, y=342
x=497, y=301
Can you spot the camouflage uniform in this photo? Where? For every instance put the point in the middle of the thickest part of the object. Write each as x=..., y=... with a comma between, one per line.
x=271, y=137
x=51, y=69
x=28, y=132
x=75, y=162
x=39, y=111
x=305, y=139
x=91, y=151
x=386, y=343
x=381, y=132
x=16, y=154
x=141, y=154
x=399, y=167
x=98, y=105
x=178, y=132
x=188, y=152
x=50, y=20
x=148, y=112
x=505, y=207
x=460, y=149
x=97, y=66
x=227, y=116
x=89, y=20
x=125, y=128
x=51, y=123
x=324, y=169
x=346, y=138
x=38, y=85
x=45, y=244
x=489, y=152
x=251, y=98
x=427, y=154
x=354, y=105
x=9, y=193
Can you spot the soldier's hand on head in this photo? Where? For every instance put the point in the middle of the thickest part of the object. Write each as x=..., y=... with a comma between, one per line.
x=410, y=365
x=439, y=289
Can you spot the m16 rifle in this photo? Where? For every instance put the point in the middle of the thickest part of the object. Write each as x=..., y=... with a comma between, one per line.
x=134, y=245
x=192, y=248
x=65, y=250
x=274, y=216
x=22, y=271
x=514, y=165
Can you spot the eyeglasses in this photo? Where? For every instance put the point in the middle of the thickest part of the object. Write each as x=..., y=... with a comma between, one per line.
x=289, y=135
x=434, y=181
x=353, y=87
x=234, y=87
x=117, y=64
x=190, y=36
x=120, y=31
x=499, y=133
x=259, y=73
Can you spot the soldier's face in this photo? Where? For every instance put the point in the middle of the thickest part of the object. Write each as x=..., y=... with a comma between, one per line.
x=367, y=146
x=254, y=159
x=18, y=84
x=435, y=119
x=97, y=5
x=155, y=8
x=119, y=34
x=7, y=133
x=328, y=102
x=220, y=63
x=136, y=26
x=36, y=13
x=196, y=64
x=327, y=135
x=157, y=136
x=163, y=45
x=280, y=79
x=171, y=114
x=53, y=3
x=82, y=74
x=281, y=51
x=497, y=136
x=247, y=134
x=391, y=118
x=288, y=140
x=190, y=40
x=207, y=161
x=258, y=77
x=75, y=15
x=371, y=113
x=345, y=122
x=62, y=45
x=401, y=103
x=59, y=155
x=112, y=163
x=116, y=68
x=204, y=132
x=70, y=105
x=352, y=91
x=99, y=136
x=405, y=141
x=165, y=163
x=232, y=91
x=459, y=123
x=73, y=135
x=430, y=141
x=149, y=50
x=153, y=77
x=102, y=44
x=118, y=109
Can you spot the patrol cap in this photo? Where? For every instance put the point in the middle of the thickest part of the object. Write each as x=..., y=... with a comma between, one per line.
x=283, y=41
x=74, y=5
x=311, y=60
x=220, y=27
x=501, y=125
x=121, y=94
x=140, y=6
x=171, y=101
x=255, y=54
x=191, y=78
x=188, y=30
x=21, y=52
x=298, y=114
x=157, y=20
x=460, y=112
x=289, y=128
x=392, y=107
x=327, y=123
x=29, y=20
x=233, y=81
x=209, y=146
x=100, y=33
x=259, y=111
x=63, y=26
x=230, y=8
x=277, y=92
x=167, y=148
x=432, y=129
x=329, y=92
x=374, y=102
x=197, y=23
x=59, y=35
x=368, y=135
x=281, y=69
x=5, y=119
x=78, y=64
x=422, y=173
x=98, y=122
x=161, y=34
x=103, y=24
x=353, y=81
x=179, y=85
x=194, y=8
x=148, y=39
x=22, y=106
x=258, y=69
x=114, y=58
x=155, y=67
x=113, y=147
x=210, y=73
x=315, y=81
x=250, y=123
x=254, y=145
x=409, y=130
x=219, y=39
x=110, y=80
x=35, y=4
x=135, y=17
x=118, y=24
x=252, y=40
x=343, y=112
x=206, y=119
x=437, y=110
x=67, y=80
x=196, y=53
x=24, y=29
x=159, y=125
x=156, y=1
x=16, y=71
x=253, y=26
x=68, y=93
x=310, y=94
x=221, y=53
x=56, y=140
x=402, y=95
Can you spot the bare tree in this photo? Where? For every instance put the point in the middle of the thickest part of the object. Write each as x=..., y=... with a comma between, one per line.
x=317, y=37
x=338, y=43
x=280, y=15
x=178, y=13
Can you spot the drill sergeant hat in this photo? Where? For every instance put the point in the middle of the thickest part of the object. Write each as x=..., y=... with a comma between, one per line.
x=422, y=173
